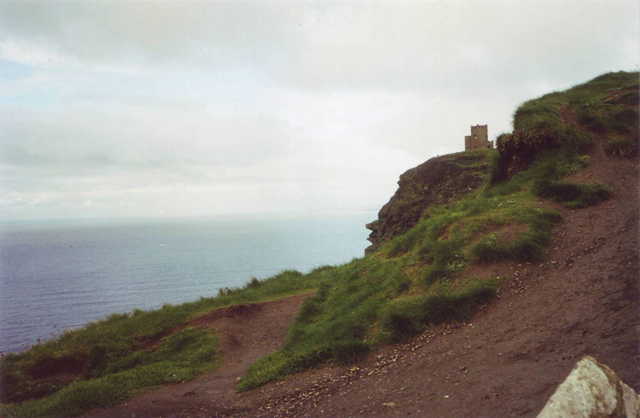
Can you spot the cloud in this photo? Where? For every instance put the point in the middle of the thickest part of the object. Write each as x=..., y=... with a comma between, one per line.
x=133, y=37
x=456, y=46
x=192, y=108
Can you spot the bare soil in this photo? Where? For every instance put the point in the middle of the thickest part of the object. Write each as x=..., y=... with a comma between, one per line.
x=583, y=299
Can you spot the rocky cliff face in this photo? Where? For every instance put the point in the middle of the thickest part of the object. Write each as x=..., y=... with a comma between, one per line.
x=438, y=181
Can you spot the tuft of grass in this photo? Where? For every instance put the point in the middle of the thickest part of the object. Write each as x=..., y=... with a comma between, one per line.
x=622, y=148
x=403, y=318
x=450, y=307
x=407, y=316
x=527, y=248
x=574, y=196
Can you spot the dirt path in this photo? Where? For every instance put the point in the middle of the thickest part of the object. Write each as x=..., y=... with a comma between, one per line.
x=247, y=332
x=584, y=299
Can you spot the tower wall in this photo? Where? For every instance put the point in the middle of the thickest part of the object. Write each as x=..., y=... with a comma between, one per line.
x=479, y=138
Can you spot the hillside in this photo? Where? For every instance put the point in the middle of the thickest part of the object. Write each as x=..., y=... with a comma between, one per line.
x=490, y=275
x=439, y=181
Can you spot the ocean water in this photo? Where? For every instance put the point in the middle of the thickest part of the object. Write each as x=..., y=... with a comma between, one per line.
x=60, y=275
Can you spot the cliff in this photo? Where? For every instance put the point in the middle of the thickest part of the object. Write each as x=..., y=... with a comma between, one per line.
x=599, y=117
x=438, y=181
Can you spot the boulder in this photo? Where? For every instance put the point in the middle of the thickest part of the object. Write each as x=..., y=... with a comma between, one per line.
x=592, y=390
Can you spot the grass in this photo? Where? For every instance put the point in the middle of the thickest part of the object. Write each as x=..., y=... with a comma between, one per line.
x=574, y=196
x=418, y=277
x=405, y=317
x=180, y=357
x=622, y=148
x=412, y=281
x=605, y=107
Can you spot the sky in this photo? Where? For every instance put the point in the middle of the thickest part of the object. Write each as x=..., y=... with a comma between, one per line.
x=117, y=109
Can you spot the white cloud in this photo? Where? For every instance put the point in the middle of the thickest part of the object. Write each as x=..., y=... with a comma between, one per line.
x=193, y=108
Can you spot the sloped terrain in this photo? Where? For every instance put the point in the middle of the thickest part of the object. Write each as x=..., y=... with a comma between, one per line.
x=579, y=295
x=247, y=332
x=475, y=300
x=439, y=181
x=582, y=299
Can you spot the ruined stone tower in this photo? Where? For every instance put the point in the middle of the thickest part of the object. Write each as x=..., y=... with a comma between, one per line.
x=479, y=139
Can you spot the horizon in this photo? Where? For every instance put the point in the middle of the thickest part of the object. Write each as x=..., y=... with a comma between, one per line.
x=262, y=216
x=158, y=110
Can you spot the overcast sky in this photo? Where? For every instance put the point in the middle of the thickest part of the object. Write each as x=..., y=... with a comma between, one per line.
x=130, y=109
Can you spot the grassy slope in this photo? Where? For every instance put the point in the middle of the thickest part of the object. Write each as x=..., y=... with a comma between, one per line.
x=420, y=277
x=108, y=361
x=437, y=181
x=604, y=109
x=600, y=113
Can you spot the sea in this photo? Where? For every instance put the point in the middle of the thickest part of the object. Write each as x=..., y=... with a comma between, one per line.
x=59, y=275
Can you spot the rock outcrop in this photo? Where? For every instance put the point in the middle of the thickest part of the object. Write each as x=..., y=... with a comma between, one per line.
x=592, y=390
x=438, y=181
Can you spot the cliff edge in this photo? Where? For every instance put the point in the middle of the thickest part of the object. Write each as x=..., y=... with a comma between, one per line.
x=438, y=181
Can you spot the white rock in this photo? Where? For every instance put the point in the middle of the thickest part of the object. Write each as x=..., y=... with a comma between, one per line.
x=592, y=390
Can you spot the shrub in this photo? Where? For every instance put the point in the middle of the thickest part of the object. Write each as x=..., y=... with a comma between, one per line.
x=253, y=283
x=573, y=196
x=403, y=318
x=449, y=307
x=622, y=148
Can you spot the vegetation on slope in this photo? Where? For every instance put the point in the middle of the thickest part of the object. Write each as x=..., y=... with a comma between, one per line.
x=602, y=112
x=419, y=275
x=418, y=278
x=439, y=181
x=109, y=361
x=424, y=275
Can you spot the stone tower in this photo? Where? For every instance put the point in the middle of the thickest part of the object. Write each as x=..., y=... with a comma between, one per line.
x=479, y=139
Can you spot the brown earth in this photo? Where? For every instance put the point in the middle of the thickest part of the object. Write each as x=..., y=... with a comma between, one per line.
x=583, y=299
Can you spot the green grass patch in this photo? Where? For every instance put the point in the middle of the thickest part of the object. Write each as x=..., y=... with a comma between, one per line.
x=573, y=196
x=406, y=317
x=622, y=148
x=569, y=120
x=179, y=357
x=395, y=292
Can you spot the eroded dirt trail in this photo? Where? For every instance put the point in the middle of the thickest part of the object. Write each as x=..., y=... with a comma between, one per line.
x=247, y=332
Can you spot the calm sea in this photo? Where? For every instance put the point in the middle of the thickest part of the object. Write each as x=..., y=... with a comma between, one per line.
x=60, y=275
